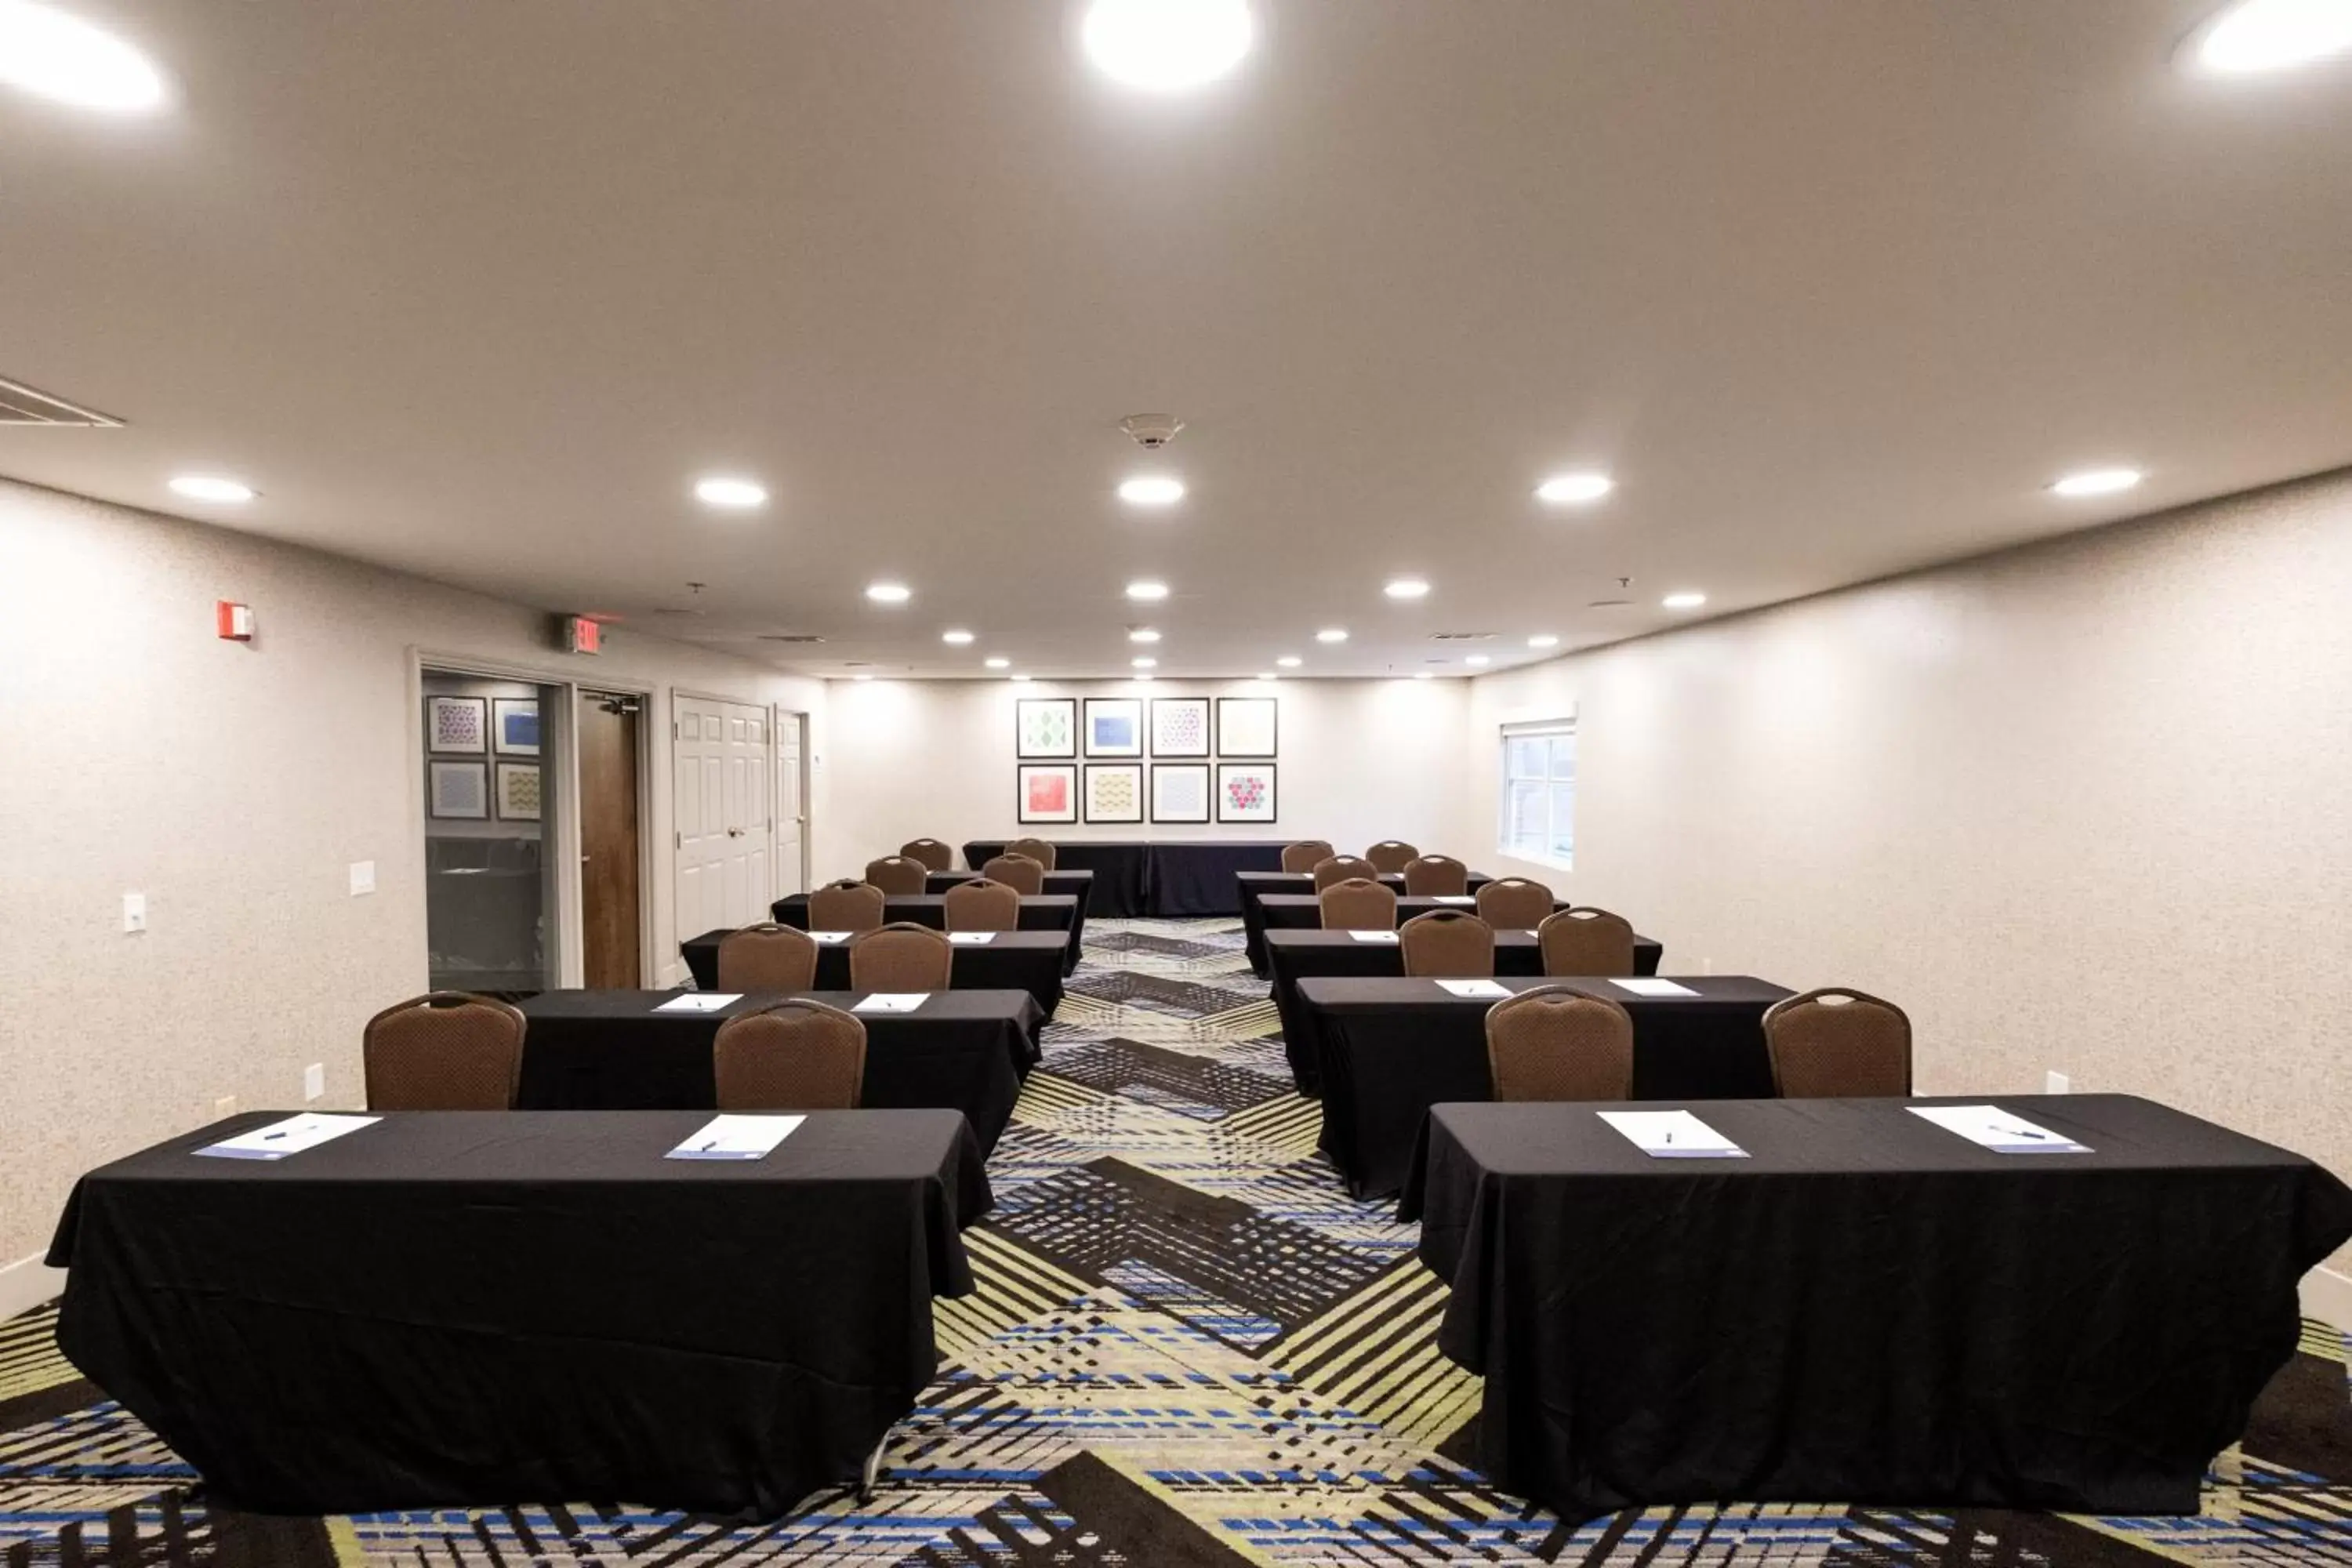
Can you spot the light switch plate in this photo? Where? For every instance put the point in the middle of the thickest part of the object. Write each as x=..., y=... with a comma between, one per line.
x=225, y=1105
x=314, y=1081
x=135, y=911
x=362, y=877
x=2056, y=1082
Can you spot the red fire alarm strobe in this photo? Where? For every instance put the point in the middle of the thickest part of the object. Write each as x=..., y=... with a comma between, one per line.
x=581, y=635
x=234, y=622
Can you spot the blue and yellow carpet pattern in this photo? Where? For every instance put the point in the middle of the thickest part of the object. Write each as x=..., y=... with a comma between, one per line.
x=1189, y=1348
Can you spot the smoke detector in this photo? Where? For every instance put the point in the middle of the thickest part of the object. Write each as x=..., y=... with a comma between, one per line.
x=1152, y=431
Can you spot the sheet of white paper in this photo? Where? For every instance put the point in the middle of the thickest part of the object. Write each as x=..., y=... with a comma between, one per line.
x=1475, y=988
x=1653, y=988
x=1373, y=936
x=971, y=938
x=701, y=1002
x=1453, y=898
x=830, y=935
x=891, y=1002
x=735, y=1138
x=1997, y=1130
x=291, y=1136
x=1671, y=1135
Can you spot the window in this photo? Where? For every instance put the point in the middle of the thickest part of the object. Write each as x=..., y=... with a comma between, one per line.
x=1538, y=816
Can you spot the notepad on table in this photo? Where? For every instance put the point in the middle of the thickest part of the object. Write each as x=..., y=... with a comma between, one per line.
x=891, y=1002
x=291, y=1136
x=1373, y=936
x=1653, y=988
x=971, y=938
x=1453, y=898
x=701, y=1002
x=830, y=935
x=1487, y=988
x=1997, y=1130
x=1671, y=1135
x=735, y=1138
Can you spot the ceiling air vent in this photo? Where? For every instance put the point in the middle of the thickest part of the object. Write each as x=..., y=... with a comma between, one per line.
x=789, y=637
x=1462, y=636
x=21, y=404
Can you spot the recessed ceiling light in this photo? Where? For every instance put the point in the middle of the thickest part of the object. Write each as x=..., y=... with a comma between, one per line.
x=1289, y=661
x=212, y=487
x=2096, y=482
x=1684, y=601
x=1022, y=679
x=1267, y=675
x=1147, y=589
x=1143, y=634
x=1543, y=639
x=1425, y=674
x=1331, y=634
x=1156, y=489
x=2270, y=35
x=1144, y=663
x=998, y=663
x=63, y=57
x=1164, y=46
x=730, y=494
x=890, y=593
x=1407, y=588
x=861, y=675
x=958, y=637
x=1146, y=675
x=1574, y=490
x=1477, y=659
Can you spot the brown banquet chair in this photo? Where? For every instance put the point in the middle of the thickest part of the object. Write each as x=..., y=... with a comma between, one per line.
x=1018, y=872
x=1838, y=1043
x=1586, y=941
x=767, y=957
x=1305, y=854
x=795, y=1055
x=983, y=905
x=1344, y=868
x=846, y=905
x=1037, y=850
x=1555, y=1042
x=1357, y=904
x=1448, y=944
x=898, y=875
x=901, y=957
x=447, y=1050
x=1435, y=877
x=1515, y=903
x=933, y=855
x=1391, y=856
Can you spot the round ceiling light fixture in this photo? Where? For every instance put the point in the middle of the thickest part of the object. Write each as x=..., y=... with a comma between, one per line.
x=1543, y=639
x=890, y=593
x=1332, y=634
x=997, y=663
x=214, y=487
x=1407, y=588
x=730, y=493
x=61, y=58
x=1574, y=490
x=1147, y=590
x=1167, y=46
x=1289, y=661
x=957, y=637
x=1685, y=600
x=1151, y=490
x=2256, y=36
x=2096, y=482
x=1143, y=634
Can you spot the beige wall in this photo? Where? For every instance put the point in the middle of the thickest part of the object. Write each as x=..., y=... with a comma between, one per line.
x=1360, y=760
x=233, y=785
x=2085, y=806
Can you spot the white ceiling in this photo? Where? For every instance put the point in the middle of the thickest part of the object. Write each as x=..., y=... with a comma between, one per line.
x=1833, y=289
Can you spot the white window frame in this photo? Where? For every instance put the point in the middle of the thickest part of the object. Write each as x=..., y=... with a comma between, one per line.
x=1543, y=730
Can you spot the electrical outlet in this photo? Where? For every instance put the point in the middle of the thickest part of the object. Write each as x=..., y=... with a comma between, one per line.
x=314, y=1080
x=135, y=911
x=2056, y=1082
x=362, y=877
x=224, y=1106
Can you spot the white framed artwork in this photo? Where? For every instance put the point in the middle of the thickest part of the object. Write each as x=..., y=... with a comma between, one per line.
x=1246, y=726
x=457, y=724
x=514, y=726
x=1114, y=792
x=1246, y=792
x=519, y=791
x=1049, y=792
x=1180, y=726
x=1180, y=791
x=460, y=790
x=1114, y=727
x=1045, y=727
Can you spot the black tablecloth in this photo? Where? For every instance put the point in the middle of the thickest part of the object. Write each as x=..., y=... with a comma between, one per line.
x=1031, y=961
x=615, y=1051
x=1121, y=887
x=1392, y=1047
x=1171, y=879
x=1869, y=1308
x=1050, y=912
x=1251, y=886
x=1296, y=956
x=468, y=1309
x=1078, y=885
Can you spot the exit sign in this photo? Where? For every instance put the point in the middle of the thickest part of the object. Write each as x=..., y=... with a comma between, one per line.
x=581, y=635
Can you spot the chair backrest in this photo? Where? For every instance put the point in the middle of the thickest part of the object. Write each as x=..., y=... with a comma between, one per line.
x=1037, y=850
x=446, y=1050
x=933, y=855
x=795, y=1055
x=1357, y=904
x=845, y=905
x=1586, y=941
x=767, y=957
x=983, y=905
x=1555, y=1042
x=1515, y=903
x=1305, y=854
x=1434, y=877
x=1018, y=872
x=1344, y=868
x=1448, y=944
x=1836, y=1042
x=897, y=875
x=901, y=957
x=1391, y=856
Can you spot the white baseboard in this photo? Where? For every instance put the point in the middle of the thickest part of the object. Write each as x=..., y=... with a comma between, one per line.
x=2327, y=1295
x=27, y=1282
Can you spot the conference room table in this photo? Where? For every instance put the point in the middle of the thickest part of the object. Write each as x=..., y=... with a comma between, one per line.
x=1055, y=912
x=1031, y=961
x=1390, y=1047
x=1249, y=887
x=638, y=1050
x=1078, y=885
x=1171, y=879
x=1292, y=956
x=1867, y=1307
x=466, y=1308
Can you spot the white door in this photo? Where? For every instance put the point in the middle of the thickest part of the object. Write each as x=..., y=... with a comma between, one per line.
x=791, y=804
x=724, y=825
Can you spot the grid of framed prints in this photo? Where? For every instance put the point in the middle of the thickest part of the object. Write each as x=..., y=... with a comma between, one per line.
x=482, y=727
x=1116, y=758
x=1114, y=792
x=1049, y=792
x=1246, y=792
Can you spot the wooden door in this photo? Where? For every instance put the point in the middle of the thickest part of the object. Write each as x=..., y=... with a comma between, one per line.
x=610, y=852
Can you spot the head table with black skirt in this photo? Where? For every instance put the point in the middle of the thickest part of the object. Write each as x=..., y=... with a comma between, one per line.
x=642, y=1051
x=1031, y=961
x=1868, y=1307
x=1292, y=956
x=1170, y=878
x=1249, y=887
x=1046, y=911
x=1392, y=1047
x=453, y=1310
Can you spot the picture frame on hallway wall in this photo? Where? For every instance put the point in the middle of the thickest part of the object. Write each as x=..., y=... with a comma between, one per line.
x=1180, y=726
x=1246, y=727
x=1048, y=793
x=461, y=791
x=1246, y=792
x=514, y=726
x=1180, y=791
x=1114, y=727
x=1045, y=727
x=1114, y=792
x=519, y=791
x=457, y=725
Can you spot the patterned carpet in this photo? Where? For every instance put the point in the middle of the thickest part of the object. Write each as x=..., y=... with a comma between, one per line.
x=1190, y=1349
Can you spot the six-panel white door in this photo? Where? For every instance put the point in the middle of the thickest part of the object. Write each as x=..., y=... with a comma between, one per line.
x=724, y=808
